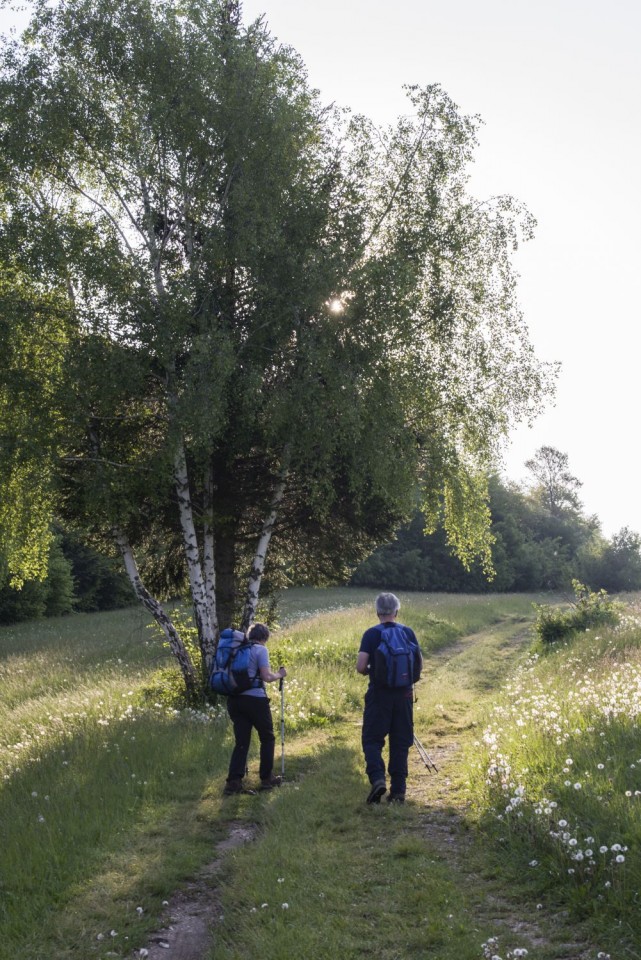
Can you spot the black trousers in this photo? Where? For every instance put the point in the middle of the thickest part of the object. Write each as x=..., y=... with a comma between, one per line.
x=388, y=713
x=248, y=713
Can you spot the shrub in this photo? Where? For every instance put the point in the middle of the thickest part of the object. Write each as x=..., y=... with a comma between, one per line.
x=590, y=609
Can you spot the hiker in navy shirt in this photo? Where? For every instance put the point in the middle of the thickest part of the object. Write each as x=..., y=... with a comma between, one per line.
x=388, y=710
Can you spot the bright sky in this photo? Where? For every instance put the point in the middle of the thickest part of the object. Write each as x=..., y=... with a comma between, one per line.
x=558, y=85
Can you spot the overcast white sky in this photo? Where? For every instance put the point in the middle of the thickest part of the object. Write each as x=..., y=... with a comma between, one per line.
x=558, y=85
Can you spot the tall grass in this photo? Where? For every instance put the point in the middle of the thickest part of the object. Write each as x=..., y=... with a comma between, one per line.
x=556, y=777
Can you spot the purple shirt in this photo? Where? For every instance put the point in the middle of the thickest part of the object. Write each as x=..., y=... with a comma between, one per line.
x=258, y=657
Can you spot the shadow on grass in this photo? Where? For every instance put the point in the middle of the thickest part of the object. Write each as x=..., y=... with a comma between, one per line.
x=125, y=803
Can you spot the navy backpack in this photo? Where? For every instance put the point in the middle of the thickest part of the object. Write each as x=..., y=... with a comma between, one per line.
x=398, y=659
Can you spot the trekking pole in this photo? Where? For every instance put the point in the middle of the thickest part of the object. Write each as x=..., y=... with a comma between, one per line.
x=281, y=687
x=424, y=755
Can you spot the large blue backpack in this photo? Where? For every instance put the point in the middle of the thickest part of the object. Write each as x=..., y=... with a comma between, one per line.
x=398, y=659
x=230, y=672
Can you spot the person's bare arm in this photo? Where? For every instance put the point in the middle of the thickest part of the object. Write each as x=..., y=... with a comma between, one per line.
x=362, y=664
x=268, y=677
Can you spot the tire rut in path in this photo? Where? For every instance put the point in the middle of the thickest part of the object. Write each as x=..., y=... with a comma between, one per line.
x=187, y=932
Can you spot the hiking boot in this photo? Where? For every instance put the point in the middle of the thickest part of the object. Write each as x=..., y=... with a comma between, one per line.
x=271, y=782
x=233, y=786
x=396, y=798
x=377, y=791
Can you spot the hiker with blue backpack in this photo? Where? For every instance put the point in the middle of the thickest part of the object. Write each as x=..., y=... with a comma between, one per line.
x=390, y=656
x=240, y=673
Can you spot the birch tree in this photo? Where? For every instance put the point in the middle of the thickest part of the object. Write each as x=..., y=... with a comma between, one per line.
x=280, y=321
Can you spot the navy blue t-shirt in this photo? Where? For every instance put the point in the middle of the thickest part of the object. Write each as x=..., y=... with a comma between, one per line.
x=371, y=639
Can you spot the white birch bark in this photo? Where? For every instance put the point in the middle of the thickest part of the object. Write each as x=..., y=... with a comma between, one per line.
x=258, y=565
x=155, y=608
x=192, y=554
x=209, y=570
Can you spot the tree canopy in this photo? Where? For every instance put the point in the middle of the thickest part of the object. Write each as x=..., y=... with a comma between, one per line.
x=249, y=322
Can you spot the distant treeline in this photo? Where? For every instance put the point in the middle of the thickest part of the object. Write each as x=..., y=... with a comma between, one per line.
x=79, y=579
x=541, y=543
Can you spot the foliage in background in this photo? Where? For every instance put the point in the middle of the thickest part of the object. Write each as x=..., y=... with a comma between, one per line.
x=79, y=578
x=534, y=548
x=51, y=597
x=589, y=610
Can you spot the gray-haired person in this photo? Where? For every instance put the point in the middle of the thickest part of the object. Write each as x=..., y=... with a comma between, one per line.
x=388, y=710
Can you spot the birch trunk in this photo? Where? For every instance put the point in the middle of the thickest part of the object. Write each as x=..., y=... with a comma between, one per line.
x=194, y=567
x=209, y=570
x=260, y=556
x=175, y=643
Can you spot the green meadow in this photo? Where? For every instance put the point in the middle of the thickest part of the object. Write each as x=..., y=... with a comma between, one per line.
x=527, y=838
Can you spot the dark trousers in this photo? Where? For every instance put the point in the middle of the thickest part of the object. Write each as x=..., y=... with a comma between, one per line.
x=388, y=713
x=247, y=713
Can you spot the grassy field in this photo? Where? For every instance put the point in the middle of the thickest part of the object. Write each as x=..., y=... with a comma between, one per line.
x=111, y=802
